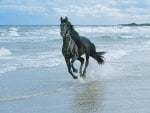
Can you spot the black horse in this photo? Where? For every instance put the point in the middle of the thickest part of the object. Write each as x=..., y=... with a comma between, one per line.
x=74, y=46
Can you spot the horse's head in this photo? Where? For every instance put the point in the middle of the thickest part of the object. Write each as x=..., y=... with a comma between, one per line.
x=65, y=26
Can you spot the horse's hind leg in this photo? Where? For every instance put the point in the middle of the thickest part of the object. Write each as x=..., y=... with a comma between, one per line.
x=86, y=64
x=69, y=68
x=72, y=61
x=81, y=66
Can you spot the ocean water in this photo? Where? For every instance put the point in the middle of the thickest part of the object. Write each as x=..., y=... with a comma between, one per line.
x=40, y=46
x=34, y=77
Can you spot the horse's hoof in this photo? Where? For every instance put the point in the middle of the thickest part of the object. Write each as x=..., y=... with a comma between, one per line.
x=82, y=76
x=75, y=77
x=75, y=70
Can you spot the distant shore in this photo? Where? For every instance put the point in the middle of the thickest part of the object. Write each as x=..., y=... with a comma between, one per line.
x=135, y=24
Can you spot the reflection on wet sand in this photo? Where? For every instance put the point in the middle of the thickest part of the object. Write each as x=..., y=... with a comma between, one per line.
x=88, y=98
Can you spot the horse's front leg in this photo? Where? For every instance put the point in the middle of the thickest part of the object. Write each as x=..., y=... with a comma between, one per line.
x=86, y=64
x=69, y=67
x=81, y=66
x=72, y=61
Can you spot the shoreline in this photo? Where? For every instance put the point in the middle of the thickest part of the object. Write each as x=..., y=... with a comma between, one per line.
x=39, y=90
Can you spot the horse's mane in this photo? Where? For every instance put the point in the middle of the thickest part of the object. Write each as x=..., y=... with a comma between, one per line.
x=75, y=35
x=74, y=32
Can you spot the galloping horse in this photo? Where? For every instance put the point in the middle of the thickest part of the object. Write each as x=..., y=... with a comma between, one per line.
x=74, y=46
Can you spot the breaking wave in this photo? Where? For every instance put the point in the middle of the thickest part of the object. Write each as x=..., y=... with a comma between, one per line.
x=46, y=59
x=4, y=52
x=35, y=39
x=13, y=32
x=116, y=54
x=112, y=29
x=114, y=32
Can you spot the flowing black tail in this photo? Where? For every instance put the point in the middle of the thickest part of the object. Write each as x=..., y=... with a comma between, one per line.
x=98, y=57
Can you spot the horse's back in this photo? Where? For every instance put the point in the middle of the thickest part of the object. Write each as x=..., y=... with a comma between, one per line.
x=87, y=43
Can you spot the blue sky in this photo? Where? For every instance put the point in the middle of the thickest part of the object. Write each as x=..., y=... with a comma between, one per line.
x=80, y=12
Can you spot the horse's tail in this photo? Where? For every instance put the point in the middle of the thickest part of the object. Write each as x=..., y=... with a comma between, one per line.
x=98, y=57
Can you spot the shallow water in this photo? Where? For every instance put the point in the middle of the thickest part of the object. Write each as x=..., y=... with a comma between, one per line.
x=47, y=90
x=34, y=77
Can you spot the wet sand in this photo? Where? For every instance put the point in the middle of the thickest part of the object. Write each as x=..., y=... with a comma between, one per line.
x=53, y=90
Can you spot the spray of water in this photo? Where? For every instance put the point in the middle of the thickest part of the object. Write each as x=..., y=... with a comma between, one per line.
x=104, y=72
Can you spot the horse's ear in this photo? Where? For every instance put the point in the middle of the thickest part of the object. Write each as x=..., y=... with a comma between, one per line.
x=66, y=18
x=61, y=19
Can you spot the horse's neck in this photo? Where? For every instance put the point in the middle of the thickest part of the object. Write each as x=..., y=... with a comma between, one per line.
x=66, y=41
x=73, y=32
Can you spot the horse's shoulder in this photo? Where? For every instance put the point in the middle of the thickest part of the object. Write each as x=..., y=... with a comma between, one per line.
x=85, y=39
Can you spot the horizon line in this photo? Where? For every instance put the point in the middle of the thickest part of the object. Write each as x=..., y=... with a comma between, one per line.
x=74, y=24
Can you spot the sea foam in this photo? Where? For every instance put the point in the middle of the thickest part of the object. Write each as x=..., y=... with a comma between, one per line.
x=38, y=60
x=116, y=54
x=4, y=52
x=13, y=32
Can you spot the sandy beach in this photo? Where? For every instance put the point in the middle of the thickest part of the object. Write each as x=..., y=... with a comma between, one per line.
x=53, y=90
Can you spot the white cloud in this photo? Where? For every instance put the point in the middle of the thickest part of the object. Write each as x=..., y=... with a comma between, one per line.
x=86, y=11
x=110, y=2
x=129, y=2
x=23, y=8
x=137, y=11
x=61, y=11
x=27, y=7
x=96, y=9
